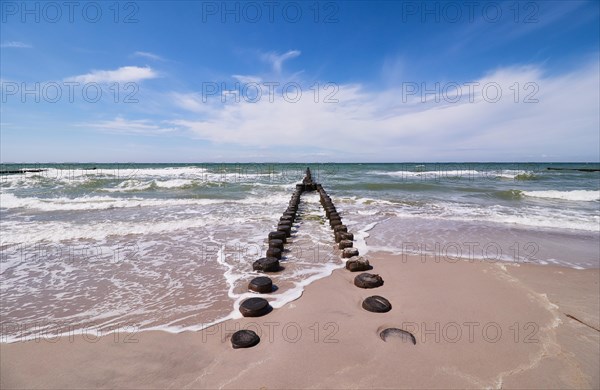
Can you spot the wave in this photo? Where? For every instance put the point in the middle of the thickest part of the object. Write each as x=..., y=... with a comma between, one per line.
x=184, y=237
x=509, y=194
x=32, y=232
x=462, y=173
x=10, y=201
x=526, y=176
x=389, y=186
x=541, y=217
x=185, y=184
x=133, y=185
x=134, y=180
x=524, y=215
x=574, y=195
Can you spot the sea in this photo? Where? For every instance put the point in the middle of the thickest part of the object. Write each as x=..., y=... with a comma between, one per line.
x=98, y=248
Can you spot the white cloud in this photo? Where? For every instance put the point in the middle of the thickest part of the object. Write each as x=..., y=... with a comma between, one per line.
x=149, y=55
x=120, y=75
x=191, y=102
x=384, y=125
x=276, y=60
x=120, y=125
x=15, y=44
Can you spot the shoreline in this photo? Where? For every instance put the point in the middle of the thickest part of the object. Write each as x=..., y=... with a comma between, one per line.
x=325, y=339
x=298, y=292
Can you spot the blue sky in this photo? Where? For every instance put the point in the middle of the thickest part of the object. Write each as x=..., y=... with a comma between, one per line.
x=205, y=81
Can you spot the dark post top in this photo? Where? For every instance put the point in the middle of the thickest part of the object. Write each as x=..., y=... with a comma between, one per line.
x=307, y=182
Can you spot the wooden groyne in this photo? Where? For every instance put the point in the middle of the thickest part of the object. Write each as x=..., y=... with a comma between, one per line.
x=38, y=170
x=277, y=239
x=21, y=171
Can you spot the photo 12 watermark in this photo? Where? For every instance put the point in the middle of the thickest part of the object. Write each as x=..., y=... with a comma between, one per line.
x=522, y=12
x=272, y=172
x=325, y=12
x=68, y=92
x=69, y=11
x=454, y=251
x=269, y=91
x=84, y=255
x=272, y=331
x=246, y=253
x=72, y=254
x=471, y=332
x=63, y=332
x=471, y=92
x=218, y=173
x=456, y=172
x=69, y=173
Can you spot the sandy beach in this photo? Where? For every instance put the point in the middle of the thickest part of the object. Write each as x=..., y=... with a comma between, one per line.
x=477, y=325
x=187, y=186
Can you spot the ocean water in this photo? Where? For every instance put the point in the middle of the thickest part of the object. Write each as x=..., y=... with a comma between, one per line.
x=102, y=247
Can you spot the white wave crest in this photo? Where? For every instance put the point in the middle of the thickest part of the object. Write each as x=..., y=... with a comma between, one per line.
x=576, y=195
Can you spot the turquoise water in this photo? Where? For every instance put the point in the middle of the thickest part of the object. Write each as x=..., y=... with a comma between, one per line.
x=169, y=246
x=521, y=194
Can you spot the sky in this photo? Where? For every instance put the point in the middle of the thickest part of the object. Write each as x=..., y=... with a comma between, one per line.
x=299, y=81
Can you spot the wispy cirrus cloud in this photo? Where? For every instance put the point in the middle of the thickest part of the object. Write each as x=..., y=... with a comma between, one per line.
x=276, y=60
x=245, y=79
x=191, y=102
x=145, y=54
x=122, y=126
x=120, y=75
x=16, y=45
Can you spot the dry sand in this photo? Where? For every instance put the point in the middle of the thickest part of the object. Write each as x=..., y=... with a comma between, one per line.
x=477, y=325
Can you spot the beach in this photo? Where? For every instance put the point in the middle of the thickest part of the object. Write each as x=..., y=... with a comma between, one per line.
x=135, y=276
x=476, y=324
x=299, y=195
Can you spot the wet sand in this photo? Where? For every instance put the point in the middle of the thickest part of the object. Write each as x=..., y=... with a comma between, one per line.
x=476, y=324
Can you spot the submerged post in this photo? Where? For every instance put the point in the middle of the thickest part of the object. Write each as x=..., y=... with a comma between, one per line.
x=307, y=182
